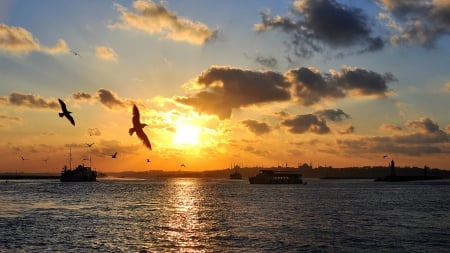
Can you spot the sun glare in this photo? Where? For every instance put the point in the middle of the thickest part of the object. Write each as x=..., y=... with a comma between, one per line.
x=187, y=134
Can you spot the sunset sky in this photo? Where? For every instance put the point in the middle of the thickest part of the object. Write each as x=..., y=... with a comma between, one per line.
x=256, y=83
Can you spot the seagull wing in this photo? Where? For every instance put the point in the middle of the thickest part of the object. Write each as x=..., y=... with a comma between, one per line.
x=63, y=106
x=136, y=120
x=144, y=139
x=70, y=118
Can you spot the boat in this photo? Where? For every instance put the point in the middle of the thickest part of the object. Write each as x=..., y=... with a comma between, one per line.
x=276, y=177
x=236, y=175
x=80, y=174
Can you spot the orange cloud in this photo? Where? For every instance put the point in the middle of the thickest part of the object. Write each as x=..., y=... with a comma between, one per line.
x=157, y=19
x=106, y=53
x=18, y=40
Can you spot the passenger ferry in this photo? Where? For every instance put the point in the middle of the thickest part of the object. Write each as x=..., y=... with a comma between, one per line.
x=276, y=177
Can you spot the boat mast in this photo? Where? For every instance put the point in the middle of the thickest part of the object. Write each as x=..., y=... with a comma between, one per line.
x=70, y=156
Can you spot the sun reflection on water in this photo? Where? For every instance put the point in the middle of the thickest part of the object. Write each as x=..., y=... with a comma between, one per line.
x=183, y=221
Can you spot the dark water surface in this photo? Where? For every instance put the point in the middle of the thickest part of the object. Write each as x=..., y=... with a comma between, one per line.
x=201, y=215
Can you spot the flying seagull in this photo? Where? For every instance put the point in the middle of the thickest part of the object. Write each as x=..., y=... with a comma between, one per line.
x=75, y=53
x=114, y=155
x=89, y=144
x=23, y=159
x=65, y=112
x=148, y=160
x=138, y=128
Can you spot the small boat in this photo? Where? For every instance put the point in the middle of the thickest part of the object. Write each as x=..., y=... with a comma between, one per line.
x=80, y=174
x=236, y=175
x=276, y=177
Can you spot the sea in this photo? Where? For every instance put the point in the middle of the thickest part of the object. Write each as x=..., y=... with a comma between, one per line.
x=222, y=215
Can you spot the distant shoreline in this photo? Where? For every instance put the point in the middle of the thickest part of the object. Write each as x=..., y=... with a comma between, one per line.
x=306, y=171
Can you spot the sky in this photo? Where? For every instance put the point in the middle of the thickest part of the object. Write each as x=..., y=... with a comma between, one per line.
x=267, y=83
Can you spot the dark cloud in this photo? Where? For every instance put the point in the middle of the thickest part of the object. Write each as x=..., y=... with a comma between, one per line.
x=429, y=140
x=268, y=62
x=424, y=124
x=421, y=22
x=320, y=23
x=226, y=88
x=364, y=81
x=306, y=123
x=347, y=130
x=32, y=101
x=311, y=86
x=256, y=127
x=333, y=115
x=222, y=89
x=110, y=99
x=81, y=96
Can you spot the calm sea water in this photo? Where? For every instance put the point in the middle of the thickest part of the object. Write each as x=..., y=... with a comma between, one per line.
x=202, y=215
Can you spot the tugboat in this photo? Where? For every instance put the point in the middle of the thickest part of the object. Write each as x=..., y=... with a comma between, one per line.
x=80, y=174
x=276, y=177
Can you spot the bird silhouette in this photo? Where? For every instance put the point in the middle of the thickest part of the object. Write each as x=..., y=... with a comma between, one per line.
x=65, y=112
x=148, y=160
x=75, y=53
x=182, y=165
x=23, y=159
x=385, y=156
x=45, y=160
x=114, y=155
x=89, y=144
x=138, y=128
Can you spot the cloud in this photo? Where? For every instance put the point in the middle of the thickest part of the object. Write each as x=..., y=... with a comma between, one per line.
x=106, y=53
x=106, y=97
x=30, y=101
x=347, y=130
x=446, y=87
x=9, y=118
x=110, y=99
x=157, y=19
x=426, y=125
x=306, y=123
x=94, y=132
x=333, y=115
x=428, y=140
x=268, y=62
x=390, y=127
x=315, y=24
x=222, y=89
x=60, y=48
x=421, y=22
x=18, y=40
x=258, y=128
x=311, y=86
x=81, y=96
x=225, y=88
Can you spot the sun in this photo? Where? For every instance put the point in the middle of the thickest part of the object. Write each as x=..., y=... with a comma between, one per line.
x=187, y=134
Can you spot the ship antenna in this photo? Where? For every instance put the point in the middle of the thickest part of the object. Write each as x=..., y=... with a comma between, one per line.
x=70, y=157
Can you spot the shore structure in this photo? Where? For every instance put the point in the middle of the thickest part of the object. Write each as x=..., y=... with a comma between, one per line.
x=393, y=177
